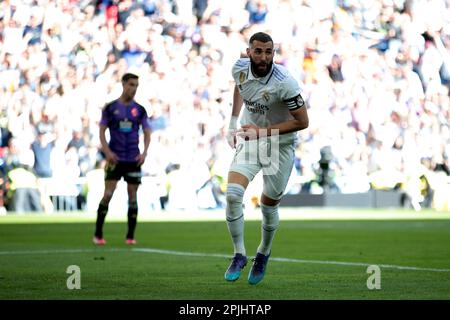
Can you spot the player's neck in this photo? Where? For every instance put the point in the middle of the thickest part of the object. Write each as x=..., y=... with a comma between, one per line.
x=125, y=100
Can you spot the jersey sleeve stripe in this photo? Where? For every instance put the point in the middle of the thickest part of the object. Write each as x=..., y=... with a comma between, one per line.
x=242, y=63
x=278, y=74
x=294, y=103
x=293, y=99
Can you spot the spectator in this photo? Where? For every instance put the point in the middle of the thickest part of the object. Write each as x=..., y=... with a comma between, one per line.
x=198, y=8
x=42, y=149
x=23, y=193
x=335, y=69
x=32, y=32
x=63, y=59
x=257, y=11
x=5, y=137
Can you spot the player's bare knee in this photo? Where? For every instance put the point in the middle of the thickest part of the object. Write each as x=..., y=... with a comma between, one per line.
x=269, y=201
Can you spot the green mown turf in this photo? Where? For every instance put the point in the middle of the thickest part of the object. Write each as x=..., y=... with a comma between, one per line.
x=28, y=272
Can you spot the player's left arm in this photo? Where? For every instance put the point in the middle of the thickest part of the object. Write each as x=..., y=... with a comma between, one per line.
x=297, y=108
x=289, y=94
x=147, y=136
x=300, y=122
x=147, y=139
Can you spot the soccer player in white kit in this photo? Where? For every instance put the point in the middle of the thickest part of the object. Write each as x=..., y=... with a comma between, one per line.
x=274, y=111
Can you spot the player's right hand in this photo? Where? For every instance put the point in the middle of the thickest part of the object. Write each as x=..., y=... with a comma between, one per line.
x=111, y=157
x=231, y=138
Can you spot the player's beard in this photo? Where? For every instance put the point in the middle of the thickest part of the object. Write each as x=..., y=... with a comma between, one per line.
x=257, y=70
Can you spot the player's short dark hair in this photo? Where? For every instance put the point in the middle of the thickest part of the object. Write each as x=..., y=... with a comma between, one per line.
x=128, y=76
x=260, y=36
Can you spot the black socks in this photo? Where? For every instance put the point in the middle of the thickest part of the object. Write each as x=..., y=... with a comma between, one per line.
x=132, y=219
x=101, y=215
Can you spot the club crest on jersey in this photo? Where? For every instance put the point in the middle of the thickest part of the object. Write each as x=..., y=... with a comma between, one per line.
x=134, y=112
x=242, y=76
x=266, y=96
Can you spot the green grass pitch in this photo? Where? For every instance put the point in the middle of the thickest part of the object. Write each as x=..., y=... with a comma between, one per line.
x=311, y=259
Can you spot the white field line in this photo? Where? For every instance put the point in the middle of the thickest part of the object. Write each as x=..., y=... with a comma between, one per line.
x=342, y=263
x=215, y=255
x=56, y=251
x=286, y=214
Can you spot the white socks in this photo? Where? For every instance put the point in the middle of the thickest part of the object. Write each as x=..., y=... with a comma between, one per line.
x=270, y=222
x=235, y=221
x=235, y=216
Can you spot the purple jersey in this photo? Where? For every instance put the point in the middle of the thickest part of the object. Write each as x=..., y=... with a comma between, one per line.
x=123, y=122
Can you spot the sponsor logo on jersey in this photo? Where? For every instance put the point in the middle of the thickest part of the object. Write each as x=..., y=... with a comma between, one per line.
x=255, y=107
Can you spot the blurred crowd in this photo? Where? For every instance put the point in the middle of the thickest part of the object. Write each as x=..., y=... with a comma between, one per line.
x=375, y=74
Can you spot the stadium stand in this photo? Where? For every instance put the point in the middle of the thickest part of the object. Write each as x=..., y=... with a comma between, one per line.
x=376, y=75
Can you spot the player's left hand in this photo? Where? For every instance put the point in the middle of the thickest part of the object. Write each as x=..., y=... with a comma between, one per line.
x=141, y=159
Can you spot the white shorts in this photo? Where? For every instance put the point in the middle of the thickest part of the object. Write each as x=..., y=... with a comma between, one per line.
x=275, y=160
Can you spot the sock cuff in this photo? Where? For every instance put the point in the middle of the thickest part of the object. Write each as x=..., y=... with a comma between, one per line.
x=102, y=209
x=270, y=220
x=132, y=205
x=269, y=209
x=104, y=204
x=235, y=189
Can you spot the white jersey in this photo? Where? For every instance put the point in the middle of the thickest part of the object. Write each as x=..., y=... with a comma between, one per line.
x=268, y=100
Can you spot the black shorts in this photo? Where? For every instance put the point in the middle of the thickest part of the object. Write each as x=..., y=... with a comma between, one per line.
x=130, y=171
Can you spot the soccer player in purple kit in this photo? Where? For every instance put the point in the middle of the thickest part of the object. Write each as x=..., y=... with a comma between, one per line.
x=123, y=117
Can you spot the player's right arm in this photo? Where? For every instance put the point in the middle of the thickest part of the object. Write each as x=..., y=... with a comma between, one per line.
x=236, y=109
x=238, y=69
x=111, y=157
x=237, y=102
